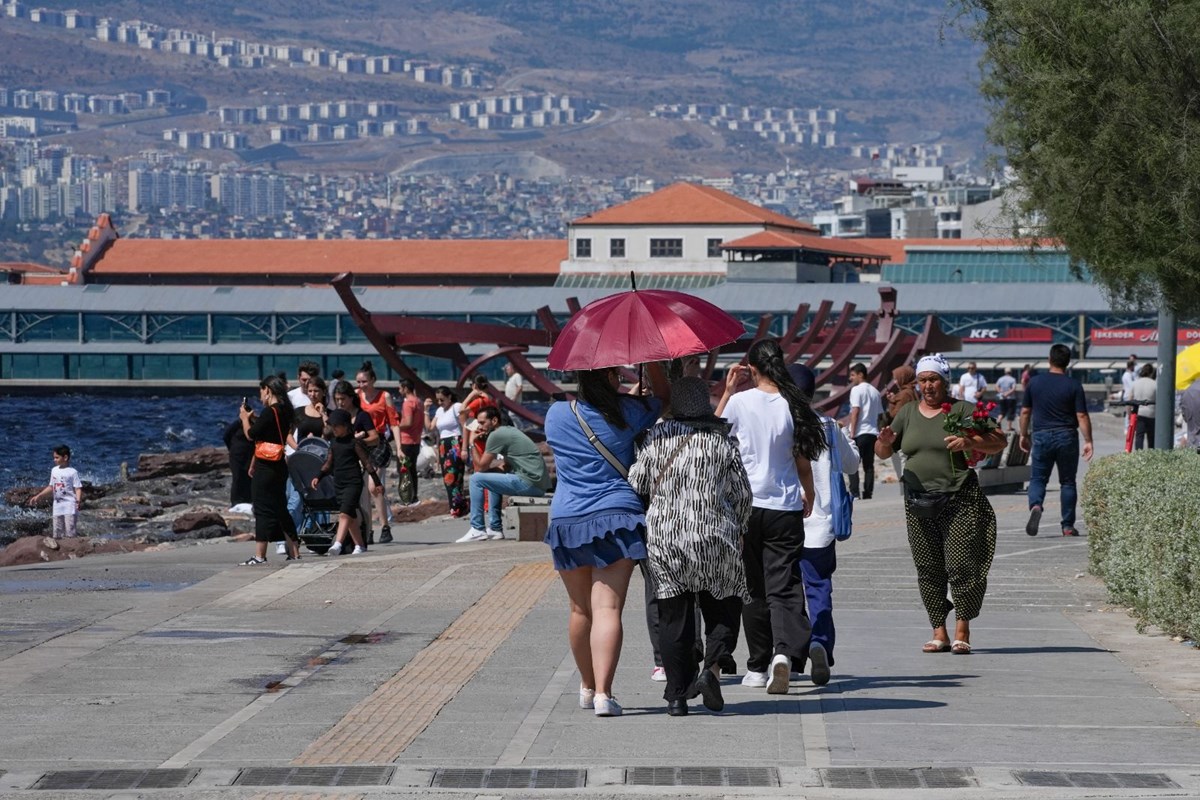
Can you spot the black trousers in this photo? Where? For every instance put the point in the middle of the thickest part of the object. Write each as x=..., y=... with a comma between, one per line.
x=652, y=623
x=866, y=448
x=408, y=490
x=678, y=634
x=1143, y=434
x=774, y=619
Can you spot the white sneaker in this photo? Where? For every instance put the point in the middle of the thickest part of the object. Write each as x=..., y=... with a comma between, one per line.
x=281, y=549
x=607, y=706
x=491, y=534
x=658, y=675
x=335, y=549
x=587, y=698
x=755, y=680
x=357, y=551
x=780, y=672
x=473, y=535
x=820, y=664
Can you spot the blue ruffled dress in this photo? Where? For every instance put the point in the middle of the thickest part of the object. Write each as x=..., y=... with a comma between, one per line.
x=596, y=519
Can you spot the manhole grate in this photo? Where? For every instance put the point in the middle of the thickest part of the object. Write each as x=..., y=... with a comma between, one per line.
x=509, y=779
x=702, y=776
x=898, y=778
x=1096, y=780
x=314, y=776
x=116, y=779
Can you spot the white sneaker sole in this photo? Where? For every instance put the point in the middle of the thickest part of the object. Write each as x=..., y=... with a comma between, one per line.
x=780, y=675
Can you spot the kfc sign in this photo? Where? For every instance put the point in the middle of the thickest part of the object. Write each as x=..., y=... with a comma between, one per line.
x=1026, y=335
x=1123, y=337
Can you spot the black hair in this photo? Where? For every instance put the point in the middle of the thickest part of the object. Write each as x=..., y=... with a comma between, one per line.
x=407, y=384
x=446, y=391
x=808, y=434
x=1147, y=371
x=492, y=413
x=344, y=388
x=282, y=376
x=62, y=450
x=318, y=381
x=480, y=382
x=860, y=369
x=311, y=367
x=277, y=386
x=368, y=369
x=337, y=374
x=1060, y=356
x=597, y=391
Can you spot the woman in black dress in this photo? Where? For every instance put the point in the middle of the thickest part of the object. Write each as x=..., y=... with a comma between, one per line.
x=268, y=470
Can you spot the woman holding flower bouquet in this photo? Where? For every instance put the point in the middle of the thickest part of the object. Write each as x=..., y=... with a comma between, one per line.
x=951, y=524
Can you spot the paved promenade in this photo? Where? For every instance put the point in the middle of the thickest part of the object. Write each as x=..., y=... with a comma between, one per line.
x=433, y=669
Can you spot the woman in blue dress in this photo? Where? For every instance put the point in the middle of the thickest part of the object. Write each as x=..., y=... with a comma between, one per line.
x=597, y=523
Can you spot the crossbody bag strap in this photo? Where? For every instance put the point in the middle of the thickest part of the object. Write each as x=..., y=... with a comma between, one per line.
x=670, y=461
x=278, y=427
x=835, y=458
x=599, y=445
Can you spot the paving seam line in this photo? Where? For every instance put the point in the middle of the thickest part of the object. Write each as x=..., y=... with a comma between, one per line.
x=521, y=742
x=263, y=701
x=382, y=725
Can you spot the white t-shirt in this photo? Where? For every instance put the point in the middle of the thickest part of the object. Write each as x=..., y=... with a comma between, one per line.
x=818, y=530
x=972, y=386
x=866, y=397
x=65, y=481
x=446, y=421
x=1127, y=380
x=762, y=423
x=299, y=398
x=513, y=386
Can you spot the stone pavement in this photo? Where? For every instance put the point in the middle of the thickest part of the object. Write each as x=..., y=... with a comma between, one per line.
x=433, y=669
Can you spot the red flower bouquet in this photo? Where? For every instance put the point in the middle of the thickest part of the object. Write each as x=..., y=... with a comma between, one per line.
x=979, y=423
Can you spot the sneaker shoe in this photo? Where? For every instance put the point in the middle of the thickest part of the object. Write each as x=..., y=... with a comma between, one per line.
x=587, y=698
x=253, y=561
x=281, y=549
x=1070, y=532
x=385, y=534
x=606, y=706
x=1035, y=519
x=335, y=549
x=780, y=672
x=358, y=551
x=820, y=664
x=292, y=558
x=491, y=534
x=658, y=675
x=708, y=688
x=473, y=535
x=755, y=680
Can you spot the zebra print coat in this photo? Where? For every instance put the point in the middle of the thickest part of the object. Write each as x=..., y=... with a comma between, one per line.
x=699, y=507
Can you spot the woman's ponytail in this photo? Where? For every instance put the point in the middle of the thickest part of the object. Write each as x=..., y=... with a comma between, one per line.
x=808, y=434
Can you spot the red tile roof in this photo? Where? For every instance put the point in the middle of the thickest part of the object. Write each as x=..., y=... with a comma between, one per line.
x=321, y=257
x=783, y=240
x=691, y=204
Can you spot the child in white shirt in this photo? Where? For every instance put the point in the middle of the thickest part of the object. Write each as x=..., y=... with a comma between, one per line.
x=67, y=490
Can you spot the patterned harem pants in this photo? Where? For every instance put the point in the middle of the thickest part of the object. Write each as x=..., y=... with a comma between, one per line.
x=955, y=549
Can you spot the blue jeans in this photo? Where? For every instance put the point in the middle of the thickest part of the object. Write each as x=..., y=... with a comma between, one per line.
x=293, y=505
x=1055, y=448
x=497, y=485
x=817, y=565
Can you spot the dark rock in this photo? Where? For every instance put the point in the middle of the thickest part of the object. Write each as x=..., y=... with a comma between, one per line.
x=141, y=511
x=29, y=526
x=201, y=460
x=171, y=502
x=210, y=532
x=195, y=520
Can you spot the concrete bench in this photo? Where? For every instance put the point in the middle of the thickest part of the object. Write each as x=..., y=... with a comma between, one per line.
x=526, y=518
x=1006, y=471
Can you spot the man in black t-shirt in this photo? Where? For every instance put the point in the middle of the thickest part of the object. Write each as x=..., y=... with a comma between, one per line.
x=1055, y=406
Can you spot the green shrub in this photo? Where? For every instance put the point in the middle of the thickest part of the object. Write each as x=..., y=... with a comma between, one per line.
x=1143, y=517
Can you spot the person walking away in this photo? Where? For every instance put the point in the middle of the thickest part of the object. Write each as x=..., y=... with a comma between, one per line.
x=412, y=426
x=67, y=491
x=382, y=410
x=514, y=384
x=1006, y=388
x=1056, y=409
x=1189, y=405
x=905, y=392
x=972, y=385
x=597, y=522
x=866, y=404
x=511, y=465
x=700, y=500
x=1145, y=389
x=348, y=458
x=241, y=451
x=778, y=438
x=818, y=559
x=442, y=421
x=1127, y=378
x=951, y=524
x=268, y=470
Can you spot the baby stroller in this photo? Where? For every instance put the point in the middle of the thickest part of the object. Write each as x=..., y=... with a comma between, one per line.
x=319, y=507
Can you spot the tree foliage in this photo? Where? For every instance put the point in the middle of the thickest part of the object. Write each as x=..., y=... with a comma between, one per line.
x=1096, y=105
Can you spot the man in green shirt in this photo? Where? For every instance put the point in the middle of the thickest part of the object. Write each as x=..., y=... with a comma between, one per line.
x=511, y=464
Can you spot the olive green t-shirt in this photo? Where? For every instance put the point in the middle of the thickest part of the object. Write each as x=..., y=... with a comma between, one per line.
x=522, y=455
x=929, y=466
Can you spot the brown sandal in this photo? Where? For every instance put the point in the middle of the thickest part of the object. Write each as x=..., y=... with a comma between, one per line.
x=935, y=646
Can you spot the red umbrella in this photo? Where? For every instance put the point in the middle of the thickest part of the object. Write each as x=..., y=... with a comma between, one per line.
x=635, y=327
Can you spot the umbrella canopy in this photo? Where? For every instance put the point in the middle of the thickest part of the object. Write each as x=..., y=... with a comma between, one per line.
x=1187, y=367
x=636, y=327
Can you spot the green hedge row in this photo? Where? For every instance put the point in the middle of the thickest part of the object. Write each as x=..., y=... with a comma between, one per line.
x=1143, y=521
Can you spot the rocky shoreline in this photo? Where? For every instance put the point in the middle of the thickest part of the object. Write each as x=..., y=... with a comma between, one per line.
x=171, y=499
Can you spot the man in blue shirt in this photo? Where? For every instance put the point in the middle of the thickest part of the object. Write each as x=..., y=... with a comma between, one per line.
x=1056, y=407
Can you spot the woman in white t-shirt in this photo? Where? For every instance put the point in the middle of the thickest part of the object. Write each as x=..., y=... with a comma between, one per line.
x=778, y=438
x=442, y=419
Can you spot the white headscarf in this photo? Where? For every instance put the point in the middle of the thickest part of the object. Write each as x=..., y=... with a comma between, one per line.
x=934, y=362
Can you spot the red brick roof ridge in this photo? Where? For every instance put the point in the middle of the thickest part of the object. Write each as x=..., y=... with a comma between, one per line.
x=660, y=208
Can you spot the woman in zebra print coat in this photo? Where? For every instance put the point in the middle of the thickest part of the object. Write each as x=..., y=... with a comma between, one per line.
x=700, y=501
